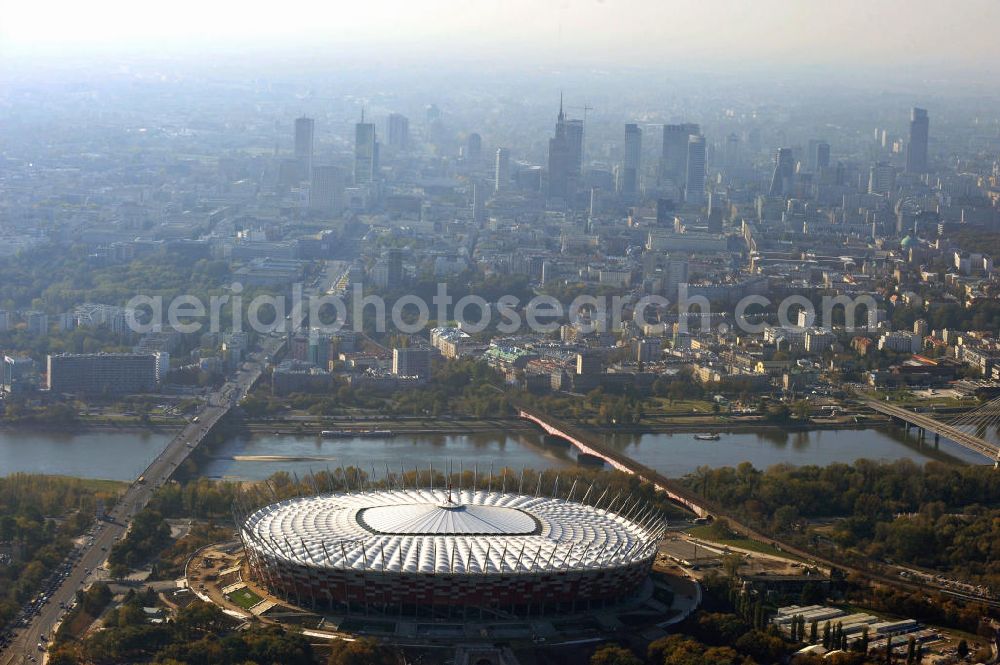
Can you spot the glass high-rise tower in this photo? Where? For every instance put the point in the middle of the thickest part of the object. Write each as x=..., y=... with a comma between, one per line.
x=916, y=150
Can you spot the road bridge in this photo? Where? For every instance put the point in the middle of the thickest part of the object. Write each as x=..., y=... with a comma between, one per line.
x=963, y=430
x=588, y=443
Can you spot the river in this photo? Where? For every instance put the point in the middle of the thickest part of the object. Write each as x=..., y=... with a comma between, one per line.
x=122, y=455
x=260, y=455
x=678, y=454
x=104, y=454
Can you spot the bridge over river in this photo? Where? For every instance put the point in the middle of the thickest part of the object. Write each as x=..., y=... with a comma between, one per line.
x=969, y=430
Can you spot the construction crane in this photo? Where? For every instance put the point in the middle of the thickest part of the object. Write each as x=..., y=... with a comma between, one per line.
x=585, y=108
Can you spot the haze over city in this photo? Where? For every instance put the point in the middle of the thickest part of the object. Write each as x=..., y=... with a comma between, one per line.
x=911, y=40
x=489, y=333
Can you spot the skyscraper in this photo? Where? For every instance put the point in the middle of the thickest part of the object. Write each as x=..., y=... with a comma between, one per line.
x=916, y=150
x=731, y=156
x=694, y=182
x=675, y=273
x=474, y=148
x=365, y=152
x=304, y=131
x=560, y=158
x=674, y=154
x=633, y=155
x=715, y=213
x=880, y=178
x=326, y=194
x=501, y=170
x=784, y=173
x=398, y=130
x=478, y=202
x=394, y=261
x=822, y=158
x=574, y=133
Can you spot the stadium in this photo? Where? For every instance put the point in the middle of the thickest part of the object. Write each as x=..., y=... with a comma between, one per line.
x=439, y=552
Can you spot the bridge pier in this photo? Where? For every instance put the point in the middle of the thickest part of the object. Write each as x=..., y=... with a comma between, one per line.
x=977, y=442
x=596, y=450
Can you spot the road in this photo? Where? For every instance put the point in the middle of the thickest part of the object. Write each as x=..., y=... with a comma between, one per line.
x=879, y=573
x=25, y=645
x=974, y=443
x=93, y=554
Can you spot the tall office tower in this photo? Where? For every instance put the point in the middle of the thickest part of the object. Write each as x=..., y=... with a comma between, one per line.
x=478, y=202
x=594, y=202
x=880, y=178
x=916, y=150
x=674, y=154
x=694, y=180
x=394, y=262
x=365, y=152
x=633, y=155
x=675, y=273
x=474, y=148
x=574, y=132
x=821, y=159
x=304, y=131
x=501, y=170
x=784, y=173
x=715, y=213
x=398, y=131
x=731, y=155
x=560, y=158
x=326, y=194
x=664, y=212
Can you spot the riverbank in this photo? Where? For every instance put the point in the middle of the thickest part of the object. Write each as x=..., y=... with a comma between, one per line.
x=256, y=449
x=748, y=425
x=363, y=428
x=77, y=426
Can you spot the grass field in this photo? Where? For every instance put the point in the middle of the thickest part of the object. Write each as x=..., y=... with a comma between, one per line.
x=733, y=540
x=656, y=405
x=245, y=598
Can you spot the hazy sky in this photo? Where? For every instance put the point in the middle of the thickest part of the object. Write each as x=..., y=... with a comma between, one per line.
x=882, y=34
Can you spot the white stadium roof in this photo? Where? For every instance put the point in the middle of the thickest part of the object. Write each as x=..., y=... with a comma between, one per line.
x=439, y=531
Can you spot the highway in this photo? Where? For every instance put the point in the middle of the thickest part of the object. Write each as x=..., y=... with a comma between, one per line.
x=24, y=648
x=93, y=554
x=965, y=439
x=889, y=575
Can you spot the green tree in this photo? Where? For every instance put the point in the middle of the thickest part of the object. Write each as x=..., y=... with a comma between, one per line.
x=199, y=618
x=118, y=571
x=612, y=654
x=364, y=651
x=62, y=655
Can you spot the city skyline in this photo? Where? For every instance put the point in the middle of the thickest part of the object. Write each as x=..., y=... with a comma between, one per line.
x=767, y=33
x=499, y=332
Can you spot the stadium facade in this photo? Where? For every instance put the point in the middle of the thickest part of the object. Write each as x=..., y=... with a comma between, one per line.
x=439, y=552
